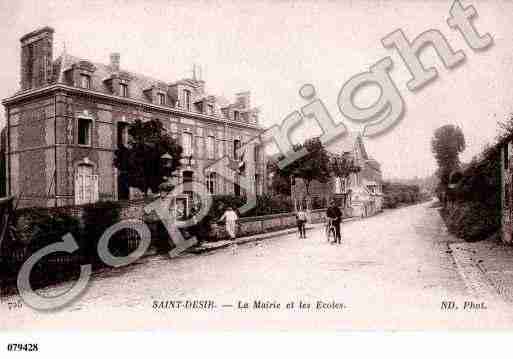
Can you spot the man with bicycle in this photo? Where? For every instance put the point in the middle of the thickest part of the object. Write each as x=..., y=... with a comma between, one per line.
x=334, y=214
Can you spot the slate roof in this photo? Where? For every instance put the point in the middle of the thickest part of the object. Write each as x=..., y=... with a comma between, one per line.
x=138, y=82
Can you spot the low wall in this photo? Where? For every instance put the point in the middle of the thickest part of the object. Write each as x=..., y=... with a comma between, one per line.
x=263, y=224
x=134, y=209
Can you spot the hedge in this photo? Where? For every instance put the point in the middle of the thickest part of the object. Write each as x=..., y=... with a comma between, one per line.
x=472, y=210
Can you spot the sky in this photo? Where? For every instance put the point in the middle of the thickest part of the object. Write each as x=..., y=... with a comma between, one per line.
x=272, y=48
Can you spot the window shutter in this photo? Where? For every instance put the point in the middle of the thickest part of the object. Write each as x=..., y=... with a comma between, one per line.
x=78, y=190
x=95, y=190
x=220, y=145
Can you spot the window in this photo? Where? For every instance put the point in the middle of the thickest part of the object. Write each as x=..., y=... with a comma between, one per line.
x=199, y=147
x=210, y=108
x=85, y=81
x=257, y=153
x=236, y=146
x=236, y=186
x=123, y=187
x=161, y=98
x=338, y=185
x=211, y=182
x=187, y=182
x=236, y=115
x=123, y=89
x=122, y=134
x=210, y=147
x=187, y=144
x=187, y=99
x=257, y=184
x=84, y=131
x=506, y=156
x=187, y=176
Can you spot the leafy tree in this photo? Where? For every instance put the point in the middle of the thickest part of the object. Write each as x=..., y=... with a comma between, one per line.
x=280, y=183
x=343, y=165
x=315, y=165
x=140, y=160
x=447, y=143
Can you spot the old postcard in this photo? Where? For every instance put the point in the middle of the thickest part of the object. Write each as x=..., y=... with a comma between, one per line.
x=256, y=165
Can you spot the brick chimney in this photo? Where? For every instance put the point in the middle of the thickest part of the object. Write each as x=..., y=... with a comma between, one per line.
x=114, y=61
x=36, y=58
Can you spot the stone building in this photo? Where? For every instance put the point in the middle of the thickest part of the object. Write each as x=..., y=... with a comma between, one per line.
x=70, y=114
x=360, y=194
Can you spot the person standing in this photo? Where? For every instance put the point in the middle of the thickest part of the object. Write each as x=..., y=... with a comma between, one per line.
x=301, y=218
x=335, y=215
x=230, y=218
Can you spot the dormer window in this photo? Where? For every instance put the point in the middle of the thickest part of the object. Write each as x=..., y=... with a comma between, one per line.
x=123, y=89
x=187, y=99
x=210, y=109
x=161, y=98
x=85, y=81
x=236, y=115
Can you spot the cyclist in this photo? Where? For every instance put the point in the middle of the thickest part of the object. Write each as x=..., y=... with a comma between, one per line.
x=335, y=215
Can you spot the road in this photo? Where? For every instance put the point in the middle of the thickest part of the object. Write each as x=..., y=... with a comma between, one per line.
x=393, y=271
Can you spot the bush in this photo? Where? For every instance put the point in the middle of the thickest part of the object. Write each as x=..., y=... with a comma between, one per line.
x=39, y=227
x=470, y=221
x=472, y=210
x=97, y=218
x=267, y=204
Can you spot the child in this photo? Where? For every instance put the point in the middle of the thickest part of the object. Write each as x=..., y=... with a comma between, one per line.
x=301, y=222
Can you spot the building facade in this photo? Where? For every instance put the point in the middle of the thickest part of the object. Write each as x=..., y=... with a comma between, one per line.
x=71, y=114
x=360, y=194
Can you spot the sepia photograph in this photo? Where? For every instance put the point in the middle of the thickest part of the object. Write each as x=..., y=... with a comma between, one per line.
x=255, y=165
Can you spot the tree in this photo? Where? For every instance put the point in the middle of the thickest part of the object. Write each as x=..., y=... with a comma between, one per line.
x=315, y=165
x=140, y=161
x=280, y=184
x=447, y=143
x=343, y=165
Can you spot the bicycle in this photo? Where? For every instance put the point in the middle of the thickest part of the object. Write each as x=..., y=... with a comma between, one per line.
x=330, y=231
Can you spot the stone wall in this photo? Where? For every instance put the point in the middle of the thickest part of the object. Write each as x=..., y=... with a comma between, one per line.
x=134, y=209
